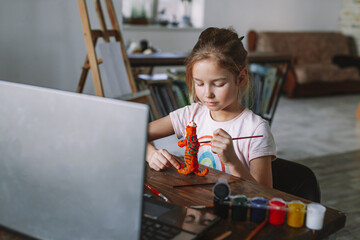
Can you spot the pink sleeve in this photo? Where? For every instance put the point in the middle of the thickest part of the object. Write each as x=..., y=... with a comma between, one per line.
x=265, y=146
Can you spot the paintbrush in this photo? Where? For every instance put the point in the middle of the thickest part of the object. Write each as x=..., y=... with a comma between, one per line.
x=198, y=184
x=237, y=138
x=256, y=230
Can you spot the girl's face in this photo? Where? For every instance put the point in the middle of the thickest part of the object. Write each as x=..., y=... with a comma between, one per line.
x=216, y=87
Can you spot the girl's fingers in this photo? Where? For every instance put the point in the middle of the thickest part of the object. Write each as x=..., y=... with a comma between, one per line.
x=170, y=159
x=220, y=142
x=162, y=159
x=219, y=135
x=154, y=166
x=158, y=161
x=220, y=132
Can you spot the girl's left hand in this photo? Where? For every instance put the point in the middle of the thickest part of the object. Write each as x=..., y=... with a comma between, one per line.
x=222, y=145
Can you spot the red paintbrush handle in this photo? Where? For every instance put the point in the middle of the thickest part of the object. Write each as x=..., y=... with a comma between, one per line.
x=152, y=189
x=237, y=138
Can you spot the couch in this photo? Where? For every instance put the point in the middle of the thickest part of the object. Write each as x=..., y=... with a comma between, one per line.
x=314, y=71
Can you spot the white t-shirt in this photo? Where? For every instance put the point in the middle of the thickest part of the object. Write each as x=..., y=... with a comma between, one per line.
x=245, y=124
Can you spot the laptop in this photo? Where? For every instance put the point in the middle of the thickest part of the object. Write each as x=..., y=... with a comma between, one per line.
x=72, y=166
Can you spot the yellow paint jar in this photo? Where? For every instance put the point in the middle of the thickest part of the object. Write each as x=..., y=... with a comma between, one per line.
x=296, y=214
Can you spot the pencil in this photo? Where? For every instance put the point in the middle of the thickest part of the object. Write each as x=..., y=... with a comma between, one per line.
x=237, y=138
x=256, y=230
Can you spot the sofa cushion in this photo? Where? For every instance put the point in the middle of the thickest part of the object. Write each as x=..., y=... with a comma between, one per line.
x=305, y=47
x=318, y=72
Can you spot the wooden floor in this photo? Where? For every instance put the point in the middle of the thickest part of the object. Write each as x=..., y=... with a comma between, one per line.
x=339, y=179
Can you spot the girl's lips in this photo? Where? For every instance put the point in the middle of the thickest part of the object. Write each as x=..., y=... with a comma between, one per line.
x=211, y=103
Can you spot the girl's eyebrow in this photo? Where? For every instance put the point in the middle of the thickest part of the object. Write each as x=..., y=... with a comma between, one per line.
x=214, y=80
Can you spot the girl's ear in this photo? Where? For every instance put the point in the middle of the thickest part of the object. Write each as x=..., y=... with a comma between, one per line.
x=242, y=78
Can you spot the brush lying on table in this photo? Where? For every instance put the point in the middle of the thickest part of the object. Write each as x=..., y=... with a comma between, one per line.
x=198, y=184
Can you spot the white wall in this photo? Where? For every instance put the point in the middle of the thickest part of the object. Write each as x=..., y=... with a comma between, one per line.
x=41, y=41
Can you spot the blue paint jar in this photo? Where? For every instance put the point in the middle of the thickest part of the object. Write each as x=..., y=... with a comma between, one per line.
x=258, y=207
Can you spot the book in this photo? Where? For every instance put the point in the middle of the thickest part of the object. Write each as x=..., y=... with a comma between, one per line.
x=154, y=109
x=183, y=87
x=264, y=79
x=269, y=83
x=164, y=95
x=258, y=86
x=168, y=93
x=157, y=96
x=154, y=78
x=179, y=96
x=177, y=75
x=172, y=96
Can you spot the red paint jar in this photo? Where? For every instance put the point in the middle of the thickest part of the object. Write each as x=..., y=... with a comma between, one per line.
x=277, y=209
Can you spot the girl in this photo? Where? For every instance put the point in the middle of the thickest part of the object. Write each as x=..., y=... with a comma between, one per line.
x=217, y=78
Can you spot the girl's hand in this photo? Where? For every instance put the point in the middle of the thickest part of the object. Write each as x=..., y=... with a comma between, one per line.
x=222, y=145
x=260, y=168
x=161, y=159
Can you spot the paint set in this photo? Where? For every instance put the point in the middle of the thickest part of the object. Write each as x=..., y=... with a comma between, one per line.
x=258, y=209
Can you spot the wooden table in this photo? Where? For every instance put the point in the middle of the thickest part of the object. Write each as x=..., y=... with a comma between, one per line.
x=172, y=185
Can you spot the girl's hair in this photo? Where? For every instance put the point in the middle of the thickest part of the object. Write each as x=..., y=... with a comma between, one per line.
x=221, y=44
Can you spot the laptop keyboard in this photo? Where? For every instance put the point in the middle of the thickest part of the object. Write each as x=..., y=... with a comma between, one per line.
x=153, y=229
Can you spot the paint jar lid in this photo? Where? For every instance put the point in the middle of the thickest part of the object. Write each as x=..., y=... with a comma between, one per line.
x=296, y=206
x=221, y=189
x=239, y=200
x=277, y=203
x=316, y=208
x=258, y=202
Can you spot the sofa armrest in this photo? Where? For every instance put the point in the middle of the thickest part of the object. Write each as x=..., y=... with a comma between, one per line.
x=346, y=61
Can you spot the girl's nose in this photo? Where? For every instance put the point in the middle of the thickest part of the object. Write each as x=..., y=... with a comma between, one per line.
x=209, y=92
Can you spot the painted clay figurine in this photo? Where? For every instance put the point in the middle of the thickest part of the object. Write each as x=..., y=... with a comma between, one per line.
x=192, y=147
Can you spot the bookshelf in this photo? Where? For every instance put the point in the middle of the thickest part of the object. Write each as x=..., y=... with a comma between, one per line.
x=271, y=70
x=169, y=91
x=266, y=85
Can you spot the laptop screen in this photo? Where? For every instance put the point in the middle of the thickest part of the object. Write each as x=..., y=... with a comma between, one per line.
x=71, y=165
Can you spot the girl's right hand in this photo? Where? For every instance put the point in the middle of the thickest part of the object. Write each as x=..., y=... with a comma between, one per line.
x=161, y=158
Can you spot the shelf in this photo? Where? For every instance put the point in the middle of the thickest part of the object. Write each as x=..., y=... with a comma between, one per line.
x=156, y=27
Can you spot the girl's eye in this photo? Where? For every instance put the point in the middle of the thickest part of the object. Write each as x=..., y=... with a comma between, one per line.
x=219, y=84
x=199, y=84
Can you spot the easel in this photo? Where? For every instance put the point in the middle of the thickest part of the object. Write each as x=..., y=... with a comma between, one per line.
x=91, y=36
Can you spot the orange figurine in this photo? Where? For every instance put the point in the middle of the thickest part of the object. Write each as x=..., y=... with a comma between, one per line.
x=192, y=147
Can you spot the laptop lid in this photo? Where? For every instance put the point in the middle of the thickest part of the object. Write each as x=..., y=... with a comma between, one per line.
x=51, y=143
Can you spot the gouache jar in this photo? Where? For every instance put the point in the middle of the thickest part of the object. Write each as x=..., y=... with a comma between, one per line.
x=221, y=207
x=239, y=208
x=258, y=206
x=277, y=210
x=315, y=216
x=296, y=214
